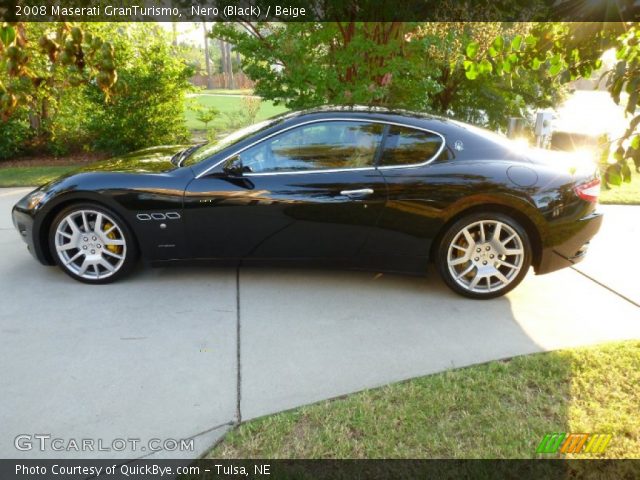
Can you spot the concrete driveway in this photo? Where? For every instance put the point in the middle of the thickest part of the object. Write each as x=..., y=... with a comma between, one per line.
x=184, y=353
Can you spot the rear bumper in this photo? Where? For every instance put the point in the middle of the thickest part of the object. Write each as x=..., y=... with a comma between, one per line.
x=570, y=243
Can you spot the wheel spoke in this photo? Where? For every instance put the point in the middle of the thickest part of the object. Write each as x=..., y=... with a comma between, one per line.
x=74, y=258
x=111, y=254
x=475, y=281
x=114, y=241
x=497, y=232
x=106, y=265
x=482, y=235
x=511, y=237
x=459, y=260
x=466, y=271
x=507, y=264
x=85, y=223
x=66, y=246
x=469, y=238
x=84, y=266
x=501, y=277
x=97, y=226
x=72, y=225
x=513, y=251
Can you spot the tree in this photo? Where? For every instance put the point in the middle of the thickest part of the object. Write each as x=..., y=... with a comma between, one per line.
x=564, y=52
x=64, y=92
x=38, y=58
x=417, y=66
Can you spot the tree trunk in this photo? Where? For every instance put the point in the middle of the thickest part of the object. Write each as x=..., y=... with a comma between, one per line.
x=207, y=60
x=174, y=33
x=232, y=82
x=223, y=63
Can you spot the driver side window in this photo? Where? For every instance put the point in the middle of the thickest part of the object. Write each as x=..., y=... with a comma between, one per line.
x=316, y=146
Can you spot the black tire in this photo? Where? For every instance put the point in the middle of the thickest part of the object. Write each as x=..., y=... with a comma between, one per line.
x=127, y=250
x=491, y=256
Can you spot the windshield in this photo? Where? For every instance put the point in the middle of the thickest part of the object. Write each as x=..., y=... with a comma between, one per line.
x=214, y=147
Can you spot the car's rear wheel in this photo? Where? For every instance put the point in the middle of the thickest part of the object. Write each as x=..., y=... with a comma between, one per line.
x=92, y=244
x=484, y=255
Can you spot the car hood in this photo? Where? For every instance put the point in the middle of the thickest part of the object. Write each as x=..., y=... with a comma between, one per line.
x=149, y=160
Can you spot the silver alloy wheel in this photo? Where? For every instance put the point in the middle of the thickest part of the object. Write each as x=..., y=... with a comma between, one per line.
x=90, y=244
x=485, y=256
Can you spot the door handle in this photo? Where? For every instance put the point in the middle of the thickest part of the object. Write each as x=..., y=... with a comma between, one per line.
x=357, y=193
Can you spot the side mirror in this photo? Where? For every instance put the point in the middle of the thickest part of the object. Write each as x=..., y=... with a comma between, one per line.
x=234, y=167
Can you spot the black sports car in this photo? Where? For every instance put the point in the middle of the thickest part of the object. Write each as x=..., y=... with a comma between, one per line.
x=359, y=188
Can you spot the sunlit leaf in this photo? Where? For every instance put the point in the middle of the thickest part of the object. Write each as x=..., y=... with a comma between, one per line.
x=516, y=42
x=485, y=66
x=555, y=68
x=471, y=72
x=498, y=44
x=7, y=35
x=612, y=175
x=472, y=49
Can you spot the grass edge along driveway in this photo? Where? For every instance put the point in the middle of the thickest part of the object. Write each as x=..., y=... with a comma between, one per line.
x=500, y=409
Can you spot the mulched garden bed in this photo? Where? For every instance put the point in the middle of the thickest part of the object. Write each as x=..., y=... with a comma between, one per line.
x=81, y=158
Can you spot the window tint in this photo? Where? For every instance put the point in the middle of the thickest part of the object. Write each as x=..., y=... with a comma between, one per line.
x=407, y=146
x=317, y=146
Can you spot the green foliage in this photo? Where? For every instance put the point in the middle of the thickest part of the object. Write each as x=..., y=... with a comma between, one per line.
x=146, y=107
x=418, y=66
x=303, y=65
x=14, y=133
x=567, y=51
x=68, y=108
x=203, y=114
x=34, y=58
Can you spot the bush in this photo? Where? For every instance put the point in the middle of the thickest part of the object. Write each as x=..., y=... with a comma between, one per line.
x=147, y=107
x=14, y=135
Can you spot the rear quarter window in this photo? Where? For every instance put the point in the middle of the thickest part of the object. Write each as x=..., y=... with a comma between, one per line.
x=408, y=146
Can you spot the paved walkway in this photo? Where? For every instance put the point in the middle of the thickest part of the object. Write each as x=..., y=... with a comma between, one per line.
x=181, y=353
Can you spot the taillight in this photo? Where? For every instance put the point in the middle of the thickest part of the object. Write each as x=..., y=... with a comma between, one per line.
x=589, y=191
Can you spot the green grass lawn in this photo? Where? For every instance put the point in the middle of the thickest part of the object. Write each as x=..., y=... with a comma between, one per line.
x=227, y=105
x=21, y=176
x=625, y=194
x=224, y=91
x=501, y=409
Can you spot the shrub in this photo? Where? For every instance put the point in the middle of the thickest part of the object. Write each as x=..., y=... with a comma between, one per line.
x=14, y=135
x=147, y=107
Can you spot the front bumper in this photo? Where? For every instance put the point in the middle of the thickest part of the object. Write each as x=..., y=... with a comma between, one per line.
x=24, y=225
x=568, y=243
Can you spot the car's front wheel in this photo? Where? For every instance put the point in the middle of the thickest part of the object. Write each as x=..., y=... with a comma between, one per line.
x=484, y=255
x=92, y=244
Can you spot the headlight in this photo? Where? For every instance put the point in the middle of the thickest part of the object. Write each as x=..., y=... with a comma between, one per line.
x=34, y=199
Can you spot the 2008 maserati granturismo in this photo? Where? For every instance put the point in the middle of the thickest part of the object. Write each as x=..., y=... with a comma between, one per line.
x=358, y=188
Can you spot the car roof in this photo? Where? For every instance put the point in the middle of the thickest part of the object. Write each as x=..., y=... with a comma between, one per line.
x=445, y=126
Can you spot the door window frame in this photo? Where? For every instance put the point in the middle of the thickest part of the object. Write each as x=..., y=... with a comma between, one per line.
x=377, y=155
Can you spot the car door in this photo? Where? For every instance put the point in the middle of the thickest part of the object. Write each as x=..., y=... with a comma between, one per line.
x=310, y=191
x=418, y=190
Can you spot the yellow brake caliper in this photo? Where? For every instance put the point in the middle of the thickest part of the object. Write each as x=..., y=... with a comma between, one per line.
x=112, y=248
